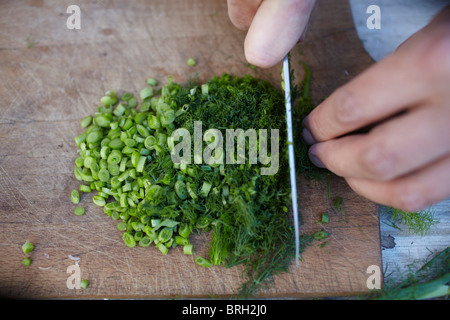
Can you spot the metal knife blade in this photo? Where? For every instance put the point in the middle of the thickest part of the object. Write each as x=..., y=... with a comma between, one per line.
x=287, y=92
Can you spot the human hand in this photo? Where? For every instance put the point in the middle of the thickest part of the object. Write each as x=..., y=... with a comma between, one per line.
x=404, y=160
x=274, y=27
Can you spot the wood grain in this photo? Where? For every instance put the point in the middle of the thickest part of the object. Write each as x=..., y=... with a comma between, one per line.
x=52, y=77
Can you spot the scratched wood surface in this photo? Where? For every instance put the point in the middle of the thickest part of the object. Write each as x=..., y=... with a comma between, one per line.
x=51, y=77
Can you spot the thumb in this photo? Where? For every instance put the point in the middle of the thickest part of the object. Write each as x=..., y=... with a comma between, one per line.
x=276, y=27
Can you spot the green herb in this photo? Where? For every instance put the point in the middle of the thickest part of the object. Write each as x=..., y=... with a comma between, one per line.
x=146, y=93
x=160, y=203
x=84, y=188
x=26, y=261
x=191, y=62
x=417, y=222
x=203, y=262
x=86, y=121
x=27, y=247
x=338, y=206
x=325, y=218
x=302, y=96
x=84, y=283
x=79, y=211
x=188, y=249
x=153, y=82
x=75, y=197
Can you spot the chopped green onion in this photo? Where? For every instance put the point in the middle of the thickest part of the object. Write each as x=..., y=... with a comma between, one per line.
x=114, y=157
x=142, y=131
x=84, y=188
x=191, y=191
x=109, y=100
x=26, y=261
x=152, y=82
x=206, y=187
x=151, y=233
x=128, y=238
x=94, y=137
x=27, y=247
x=79, y=211
x=116, y=144
x=84, y=283
x=181, y=190
x=122, y=226
x=188, y=249
x=165, y=234
x=149, y=142
x=100, y=201
x=184, y=230
x=141, y=163
x=81, y=138
x=203, y=262
x=75, y=197
x=104, y=175
x=113, y=169
x=145, y=241
x=119, y=110
x=205, y=89
x=132, y=103
x=181, y=240
x=79, y=162
x=162, y=248
x=138, y=236
x=145, y=106
x=126, y=96
x=102, y=121
x=325, y=218
x=191, y=62
x=153, y=122
x=86, y=121
x=146, y=93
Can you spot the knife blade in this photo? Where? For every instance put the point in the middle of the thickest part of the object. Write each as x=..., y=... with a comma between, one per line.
x=290, y=137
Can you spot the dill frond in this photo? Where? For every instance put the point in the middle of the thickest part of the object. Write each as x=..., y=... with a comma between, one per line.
x=417, y=223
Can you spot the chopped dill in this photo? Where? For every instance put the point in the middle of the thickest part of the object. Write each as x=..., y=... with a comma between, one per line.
x=417, y=223
x=305, y=105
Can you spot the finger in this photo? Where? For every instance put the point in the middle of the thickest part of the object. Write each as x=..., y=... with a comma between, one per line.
x=241, y=12
x=411, y=193
x=385, y=89
x=276, y=27
x=394, y=148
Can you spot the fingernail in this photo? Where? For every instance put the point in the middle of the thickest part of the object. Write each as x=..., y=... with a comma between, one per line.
x=307, y=136
x=314, y=158
x=305, y=122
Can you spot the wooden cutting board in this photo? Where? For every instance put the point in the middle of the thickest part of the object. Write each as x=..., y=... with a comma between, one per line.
x=51, y=77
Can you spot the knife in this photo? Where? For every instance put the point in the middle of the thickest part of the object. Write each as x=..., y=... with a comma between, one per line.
x=287, y=92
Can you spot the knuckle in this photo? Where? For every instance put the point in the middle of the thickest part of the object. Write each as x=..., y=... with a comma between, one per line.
x=379, y=162
x=408, y=199
x=347, y=109
x=437, y=56
x=316, y=129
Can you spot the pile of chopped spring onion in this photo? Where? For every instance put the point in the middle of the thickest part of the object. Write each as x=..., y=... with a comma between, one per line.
x=124, y=156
